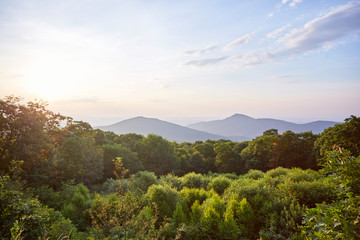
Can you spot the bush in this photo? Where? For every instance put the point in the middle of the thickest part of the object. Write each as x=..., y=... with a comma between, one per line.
x=219, y=184
x=194, y=180
x=141, y=181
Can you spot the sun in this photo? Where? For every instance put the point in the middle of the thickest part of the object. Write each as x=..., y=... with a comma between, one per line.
x=52, y=80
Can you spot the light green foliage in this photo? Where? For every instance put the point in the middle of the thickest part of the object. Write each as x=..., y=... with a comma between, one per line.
x=194, y=180
x=219, y=184
x=309, y=193
x=171, y=180
x=112, y=215
x=191, y=195
x=211, y=218
x=254, y=174
x=163, y=199
x=340, y=219
x=141, y=181
x=277, y=172
x=239, y=219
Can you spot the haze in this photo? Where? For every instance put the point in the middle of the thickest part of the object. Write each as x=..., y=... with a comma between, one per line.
x=104, y=61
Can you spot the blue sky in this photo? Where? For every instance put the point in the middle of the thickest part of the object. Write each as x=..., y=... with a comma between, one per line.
x=104, y=61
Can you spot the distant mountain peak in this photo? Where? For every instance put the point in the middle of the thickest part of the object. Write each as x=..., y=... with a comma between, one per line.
x=238, y=115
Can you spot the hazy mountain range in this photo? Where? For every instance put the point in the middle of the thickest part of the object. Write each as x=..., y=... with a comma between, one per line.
x=238, y=127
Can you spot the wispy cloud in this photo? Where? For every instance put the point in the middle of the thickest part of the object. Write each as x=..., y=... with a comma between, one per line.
x=276, y=33
x=199, y=51
x=205, y=62
x=291, y=3
x=238, y=42
x=322, y=31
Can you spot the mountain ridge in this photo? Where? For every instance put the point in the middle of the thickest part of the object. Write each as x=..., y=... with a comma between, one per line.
x=240, y=124
x=171, y=131
x=237, y=127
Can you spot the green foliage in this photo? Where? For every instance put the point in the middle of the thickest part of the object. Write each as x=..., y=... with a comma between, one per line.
x=309, y=193
x=340, y=219
x=212, y=212
x=171, y=180
x=40, y=150
x=254, y=174
x=344, y=135
x=227, y=160
x=26, y=218
x=163, y=199
x=129, y=158
x=191, y=195
x=219, y=184
x=141, y=181
x=157, y=154
x=194, y=180
x=26, y=131
x=119, y=170
x=77, y=158
x=239, y=218
x=74, y=202
x=112, y=215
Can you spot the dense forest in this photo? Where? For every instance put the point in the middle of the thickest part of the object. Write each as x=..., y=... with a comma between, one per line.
x=62, y=179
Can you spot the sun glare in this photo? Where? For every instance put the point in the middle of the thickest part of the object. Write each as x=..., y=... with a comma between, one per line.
x=52, y=81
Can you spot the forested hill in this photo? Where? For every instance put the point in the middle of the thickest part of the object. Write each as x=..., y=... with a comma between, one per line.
x=242, y=125
x=170, y=131
x=62, y=179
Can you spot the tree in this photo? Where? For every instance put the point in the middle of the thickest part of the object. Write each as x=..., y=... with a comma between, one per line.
x=345, y=135
x=157, y=155
x=340, y=219
x=77, y=158
x=120, y=171
x=227, y=160
x=27, y=132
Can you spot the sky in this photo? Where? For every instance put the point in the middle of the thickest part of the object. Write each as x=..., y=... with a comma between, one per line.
x=103, y=61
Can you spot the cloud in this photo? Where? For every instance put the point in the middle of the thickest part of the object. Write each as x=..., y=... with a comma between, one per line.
x=322, y=31
x=199, y=51
x=275, y=34
x=270, y=14
x=294, y=2
x=250, y=59
x=291, y=3
x=205, y=62
x=238, y=42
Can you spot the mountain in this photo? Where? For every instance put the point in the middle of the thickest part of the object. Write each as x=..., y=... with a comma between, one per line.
x=242, y=125
x=170, y=131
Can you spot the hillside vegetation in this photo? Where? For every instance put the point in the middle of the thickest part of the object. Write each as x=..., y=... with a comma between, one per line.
x=61, y=179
